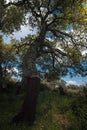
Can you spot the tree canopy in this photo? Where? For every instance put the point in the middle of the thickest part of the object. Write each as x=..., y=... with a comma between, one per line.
x=60, y=24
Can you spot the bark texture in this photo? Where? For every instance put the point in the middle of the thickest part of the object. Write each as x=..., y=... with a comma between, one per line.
x=27, y=113
x=1, y=78
x=31, y=82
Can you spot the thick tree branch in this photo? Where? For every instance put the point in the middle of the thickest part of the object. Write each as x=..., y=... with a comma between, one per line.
x=73, y=40
x=55, y=51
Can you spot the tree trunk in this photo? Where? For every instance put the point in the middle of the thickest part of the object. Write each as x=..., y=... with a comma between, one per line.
x=1, y=78
x=1, y=61
x=31, y=82
x=28, y=110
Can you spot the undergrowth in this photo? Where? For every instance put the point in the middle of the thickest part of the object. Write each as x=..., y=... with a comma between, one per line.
x=54, y=111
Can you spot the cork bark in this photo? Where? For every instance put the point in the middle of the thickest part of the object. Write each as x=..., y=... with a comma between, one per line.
x=30, y=81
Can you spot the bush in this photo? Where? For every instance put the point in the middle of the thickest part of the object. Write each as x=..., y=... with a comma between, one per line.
x=85, y=91
x=61, y=90
x=79, y=109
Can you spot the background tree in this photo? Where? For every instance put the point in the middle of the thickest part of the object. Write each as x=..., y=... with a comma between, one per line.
x=9, y=22
x=8, y=61
x=52, y=19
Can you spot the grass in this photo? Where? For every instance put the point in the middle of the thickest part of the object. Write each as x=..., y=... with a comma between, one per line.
x=54, y=111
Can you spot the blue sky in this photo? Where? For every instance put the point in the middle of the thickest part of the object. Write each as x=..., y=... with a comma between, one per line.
x=25, y=30
x=78, y=80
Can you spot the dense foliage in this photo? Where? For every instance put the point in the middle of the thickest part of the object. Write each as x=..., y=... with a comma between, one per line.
x=61, y=26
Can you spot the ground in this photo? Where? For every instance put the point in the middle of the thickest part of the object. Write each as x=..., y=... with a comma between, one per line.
x=55, y=111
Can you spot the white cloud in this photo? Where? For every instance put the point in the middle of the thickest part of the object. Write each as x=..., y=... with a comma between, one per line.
x=15, y=70
x=71, y=82
x=9, y=1
x=22, y=33
x=84, y=52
